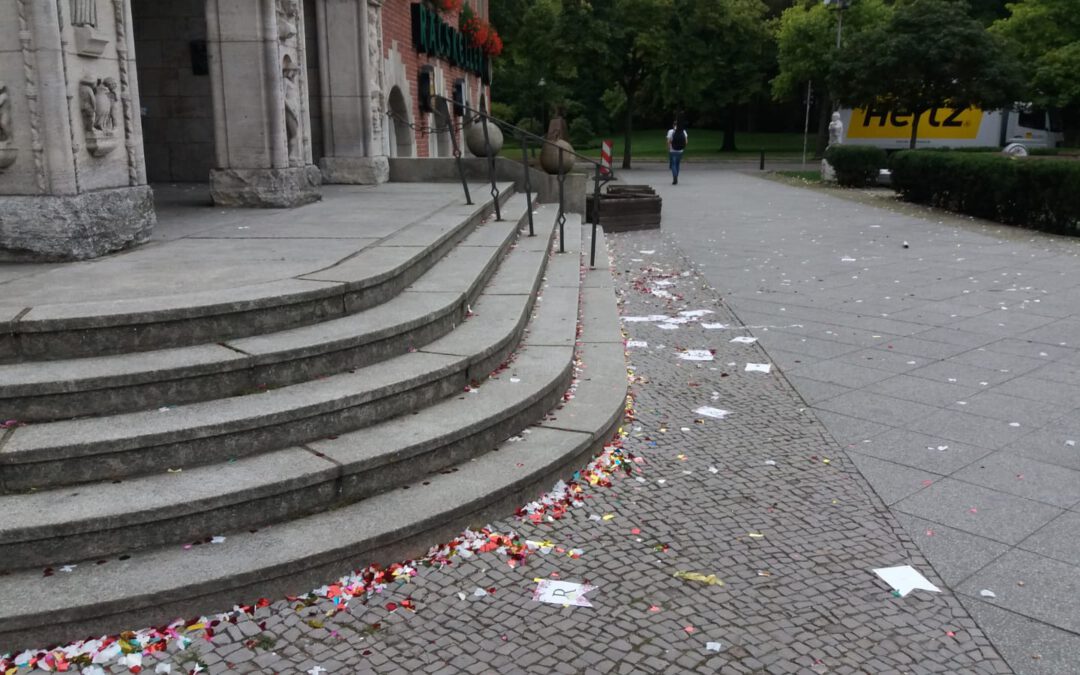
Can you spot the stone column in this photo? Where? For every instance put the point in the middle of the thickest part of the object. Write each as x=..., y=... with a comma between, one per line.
x=258, y=75
x=349, y=91
x=72, y=175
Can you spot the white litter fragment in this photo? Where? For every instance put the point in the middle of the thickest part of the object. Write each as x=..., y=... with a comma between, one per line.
x=759, y=367
x=709, y=411
x=461, y=595
x=714, y=646
x=636, y=344
x=905, y=579
x=713, y=469
x=696, y=355
x=566, y=593
x=217, y=540
x=668, y=326
x=479, y=593
x=1070, y=443
x=163, y=668
x=713, y=326
x=1014, y=424
x=515, y=380
x=847, y=259
x=695, y=312
x=647, y=252
x=770, y=462
x=986, y=593
x=643, y=319
x=744, y=340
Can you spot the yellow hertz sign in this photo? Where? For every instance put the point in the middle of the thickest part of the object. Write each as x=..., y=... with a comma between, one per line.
x=935, y=123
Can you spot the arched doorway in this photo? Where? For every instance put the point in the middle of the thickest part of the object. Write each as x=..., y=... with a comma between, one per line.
x=401, y=140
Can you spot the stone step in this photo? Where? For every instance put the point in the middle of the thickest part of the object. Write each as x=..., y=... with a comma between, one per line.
x=428, y=309
x=153, y=587
x=369, y=278
x=125, y=445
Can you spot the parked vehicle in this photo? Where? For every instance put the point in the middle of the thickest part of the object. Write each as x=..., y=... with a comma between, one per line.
x=954, y=128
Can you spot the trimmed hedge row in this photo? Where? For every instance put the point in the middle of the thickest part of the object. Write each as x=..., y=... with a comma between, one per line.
x=1037, y=193
x=855, y=165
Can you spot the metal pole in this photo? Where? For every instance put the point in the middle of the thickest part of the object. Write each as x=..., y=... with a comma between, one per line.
x=528, y=182
x=491, y=167
x=595, y=218
x=457, y=159
x=806, y=125
x=761, y=164
x=562, y=213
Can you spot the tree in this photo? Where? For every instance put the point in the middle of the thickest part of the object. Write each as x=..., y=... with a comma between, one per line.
x=930, y=54
x=806, y=49
x=1045, y=36
x=716, y=56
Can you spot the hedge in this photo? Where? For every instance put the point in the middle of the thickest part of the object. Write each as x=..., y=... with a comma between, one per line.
x=855, y=165
x=1037, y=193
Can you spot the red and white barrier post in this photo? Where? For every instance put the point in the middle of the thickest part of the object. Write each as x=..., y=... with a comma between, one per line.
x=605, y=158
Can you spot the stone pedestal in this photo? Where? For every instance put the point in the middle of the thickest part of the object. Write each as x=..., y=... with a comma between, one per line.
x=258, y=78
x=266, y=188
x=355, y=170
x=74, y=227
x=72, y=174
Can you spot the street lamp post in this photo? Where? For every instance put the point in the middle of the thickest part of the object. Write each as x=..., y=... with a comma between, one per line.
x=840, y=6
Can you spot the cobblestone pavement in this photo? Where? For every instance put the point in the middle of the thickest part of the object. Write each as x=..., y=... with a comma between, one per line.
x=763, y=499
x=943, y=353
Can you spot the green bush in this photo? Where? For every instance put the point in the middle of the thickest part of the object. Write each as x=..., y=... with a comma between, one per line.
x=1038, y=193
x=502, y=111
x=532, y=125
x=581, y=132
x=855, y=165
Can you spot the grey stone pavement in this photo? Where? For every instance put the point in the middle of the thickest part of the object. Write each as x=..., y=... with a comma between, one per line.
x=949, y=371
x=763, y=501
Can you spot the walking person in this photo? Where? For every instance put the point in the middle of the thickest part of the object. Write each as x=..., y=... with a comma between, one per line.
x=676, y=143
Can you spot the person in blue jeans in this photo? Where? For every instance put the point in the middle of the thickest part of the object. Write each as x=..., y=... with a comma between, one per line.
x=676, y=143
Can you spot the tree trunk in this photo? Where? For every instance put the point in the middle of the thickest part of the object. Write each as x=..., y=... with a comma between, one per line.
x=914, y=128
x=628, y=127
x=729, y=128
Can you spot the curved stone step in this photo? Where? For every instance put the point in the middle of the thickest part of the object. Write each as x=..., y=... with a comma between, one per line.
x=375, y=274
x=120, y=446
x=428, y=309
x=99, y=520
x=152, y=587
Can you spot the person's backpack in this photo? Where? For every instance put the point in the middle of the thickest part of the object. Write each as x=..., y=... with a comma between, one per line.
x=678, y=140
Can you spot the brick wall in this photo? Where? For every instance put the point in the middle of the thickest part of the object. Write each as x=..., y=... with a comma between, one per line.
x=397, y=25
x=178, y=117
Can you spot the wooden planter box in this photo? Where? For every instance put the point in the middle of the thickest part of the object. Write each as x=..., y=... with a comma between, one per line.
x=625, y=208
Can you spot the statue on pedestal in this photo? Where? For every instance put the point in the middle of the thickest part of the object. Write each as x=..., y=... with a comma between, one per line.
x=7, y=133
x=292, y=107
x=836, y=130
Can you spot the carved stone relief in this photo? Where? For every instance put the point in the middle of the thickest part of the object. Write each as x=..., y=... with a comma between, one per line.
x=84, y=13
x=99, y=103
x=290, y=73
x=7, y=131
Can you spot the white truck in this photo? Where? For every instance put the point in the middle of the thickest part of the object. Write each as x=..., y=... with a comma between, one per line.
x=952, y=128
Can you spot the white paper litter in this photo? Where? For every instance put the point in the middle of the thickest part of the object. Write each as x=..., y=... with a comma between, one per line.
x=905, y=579
x=565, y=593
x=759, y=367
x=636, y=344
x=986, y=593
x=696, y=355
x=642, y=319
x=709, y=411
x=714, y=646
x=695, y=312
x=668, y=326
x=647, y=252
x=1070, y=443
x=742, y=339
x=713, y=326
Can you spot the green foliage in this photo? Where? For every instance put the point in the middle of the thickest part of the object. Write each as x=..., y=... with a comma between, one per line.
x=855, y=165
x=581, y=132
x=929, y=53
x=1045, y=36
x=532, y=125
x=502, y=111
x=1038, y=193
x=806, y=42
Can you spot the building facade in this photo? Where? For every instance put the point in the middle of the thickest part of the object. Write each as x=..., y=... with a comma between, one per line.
x=263, y=100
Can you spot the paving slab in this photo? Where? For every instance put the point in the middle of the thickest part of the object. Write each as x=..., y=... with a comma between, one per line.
x=955, y=554
x=979, y=510
x=1032, y=646
x=1031, y=585
x=928, y=453
x=1022, y=476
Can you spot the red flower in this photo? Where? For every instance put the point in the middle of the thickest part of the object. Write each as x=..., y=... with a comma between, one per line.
x=449, y=6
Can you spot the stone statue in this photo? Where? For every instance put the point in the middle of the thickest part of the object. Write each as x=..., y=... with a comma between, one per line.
x=836, y=130
x=557, y=129
x=98, y=101
x=292, y=107
x=288, y=12
x=84, y=13
x=6, y=131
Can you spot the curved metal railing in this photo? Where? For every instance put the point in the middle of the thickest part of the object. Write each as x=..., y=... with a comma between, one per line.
x=601, y=173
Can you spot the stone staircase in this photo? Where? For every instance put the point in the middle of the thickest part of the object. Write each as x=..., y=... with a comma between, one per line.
x=352, y=415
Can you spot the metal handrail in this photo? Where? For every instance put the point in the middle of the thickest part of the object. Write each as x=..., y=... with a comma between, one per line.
x=601, y=173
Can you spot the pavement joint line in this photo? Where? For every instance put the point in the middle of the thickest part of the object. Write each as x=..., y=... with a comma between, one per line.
x=1017, y=613
x=226, y=345
x=331, y=460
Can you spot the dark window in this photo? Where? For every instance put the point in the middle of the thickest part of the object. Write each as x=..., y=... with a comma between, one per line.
x=200, y=62
x=1034, y=119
